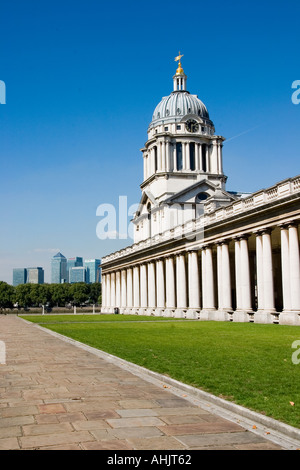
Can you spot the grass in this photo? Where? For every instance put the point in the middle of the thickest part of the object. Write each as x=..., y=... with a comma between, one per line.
x=249, y=364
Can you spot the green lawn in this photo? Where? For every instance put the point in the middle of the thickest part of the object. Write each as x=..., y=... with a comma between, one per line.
x=250, y=364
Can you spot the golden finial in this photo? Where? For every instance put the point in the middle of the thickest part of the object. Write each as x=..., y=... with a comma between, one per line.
x=179, y=70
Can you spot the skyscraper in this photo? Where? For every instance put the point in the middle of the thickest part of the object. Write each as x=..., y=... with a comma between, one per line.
x=93, y=270
x=77, y=274
x=71, y=263
x=35, y=275
x=58, y=269
x=19, y=276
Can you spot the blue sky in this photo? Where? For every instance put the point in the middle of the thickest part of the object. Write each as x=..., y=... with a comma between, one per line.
x=82, y=80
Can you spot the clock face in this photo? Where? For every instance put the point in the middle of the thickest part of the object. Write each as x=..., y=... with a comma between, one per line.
x=192, y=125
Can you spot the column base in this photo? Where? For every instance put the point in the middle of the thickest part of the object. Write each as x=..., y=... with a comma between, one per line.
x=242, y=316
x=193, y=314
x=207, y=314
x=179, y=313
x=169, y=312
x=265, y=316
x=289, y=317
x=134, y=311
x=159, y=312
x=142, y=311
x=223, y=314
x=104, y=310
x=149, y=311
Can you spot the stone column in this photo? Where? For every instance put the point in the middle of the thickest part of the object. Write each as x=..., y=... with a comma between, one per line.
x=193, y=285
x=108, y=299
x=123, y=290
x=269, y=301
x=243, y=281
x=294, y=267
x=259, y=272
x=219, y=151
x=188, y=161
x=144, y=289
x=129, y=292
x=118, y=289
x=220, y=276
x=170, y=287
x=159, y=156
x=168, y=162
x=224, y=282
x=197, y=165
x=226, y=277
x=136, y=288
x=237, y=260
x=285, y=268
x=151, y=288
x=160, y=287
x=181, y=286
x=113, y=289
x=208, y=307
x=290, y=275
x=103, y=293
x=183, y=155
x=245, y=277
x=265, y=282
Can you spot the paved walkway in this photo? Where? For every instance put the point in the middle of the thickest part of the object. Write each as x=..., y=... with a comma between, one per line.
x=54, y=395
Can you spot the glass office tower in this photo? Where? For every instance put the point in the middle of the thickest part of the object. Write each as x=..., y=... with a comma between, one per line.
x=77, y=274
x=35, y=275
x=58, y=269
x=19, y=276
x=72, y=263
x=93, y=270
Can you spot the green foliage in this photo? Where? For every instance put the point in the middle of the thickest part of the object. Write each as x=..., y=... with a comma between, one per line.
x=6, y=295
x=34, y=295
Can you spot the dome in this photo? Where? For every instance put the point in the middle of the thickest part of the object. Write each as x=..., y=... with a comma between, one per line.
x=177, y=105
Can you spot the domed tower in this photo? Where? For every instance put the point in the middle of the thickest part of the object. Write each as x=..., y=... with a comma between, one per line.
x=182, y=160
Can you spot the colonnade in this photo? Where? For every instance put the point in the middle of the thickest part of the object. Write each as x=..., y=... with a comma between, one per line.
x=162, y=157
x=215, y=281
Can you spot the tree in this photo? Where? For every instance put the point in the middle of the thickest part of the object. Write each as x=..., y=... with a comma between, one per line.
x=95, y=292
x=60, y=294
x=80, y=292
x=40, y=294
x=23, y=295
x=6, y=295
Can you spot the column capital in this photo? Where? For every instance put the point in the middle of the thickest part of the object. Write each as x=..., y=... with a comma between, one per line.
x=242, y=236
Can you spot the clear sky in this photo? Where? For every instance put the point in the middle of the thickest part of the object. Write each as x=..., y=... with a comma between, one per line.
x=82, y=80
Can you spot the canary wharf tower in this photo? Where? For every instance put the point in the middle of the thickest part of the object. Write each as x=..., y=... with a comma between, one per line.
x=200, y=251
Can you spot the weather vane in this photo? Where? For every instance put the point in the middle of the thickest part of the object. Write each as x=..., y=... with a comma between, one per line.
x=178, y=57
x=179, y=70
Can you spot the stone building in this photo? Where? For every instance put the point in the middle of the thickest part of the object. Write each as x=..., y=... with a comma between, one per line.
x=200, y=251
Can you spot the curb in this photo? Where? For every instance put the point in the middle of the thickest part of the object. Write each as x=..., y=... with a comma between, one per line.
x=280, y=433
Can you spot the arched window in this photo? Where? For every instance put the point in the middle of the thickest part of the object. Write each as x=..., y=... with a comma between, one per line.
x=204, y=165
x=155, y=159
x=199, y=206
x=192, y=156
x=179, y=156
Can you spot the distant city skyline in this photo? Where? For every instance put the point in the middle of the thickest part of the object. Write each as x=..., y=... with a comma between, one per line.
x=60, y=268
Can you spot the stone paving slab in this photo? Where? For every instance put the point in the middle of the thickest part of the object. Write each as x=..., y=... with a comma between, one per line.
x=54, y=395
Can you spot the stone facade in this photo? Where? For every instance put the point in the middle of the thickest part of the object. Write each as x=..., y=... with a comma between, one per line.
x=199, y=251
